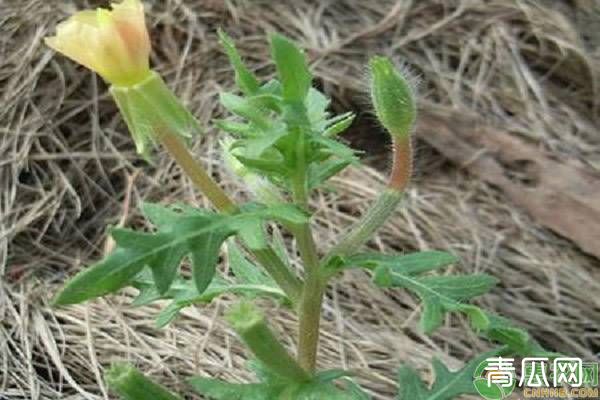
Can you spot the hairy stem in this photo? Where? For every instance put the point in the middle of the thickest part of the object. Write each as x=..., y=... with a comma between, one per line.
x=250, y=324
x=280, y=272
x=269, y=259
x=384, y=205
x=314, y=287
x=131, y=384
x=197, y=174
x=362, y=231
x=311, y=300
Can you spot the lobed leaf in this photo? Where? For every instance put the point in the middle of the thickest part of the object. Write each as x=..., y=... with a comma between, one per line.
x=447, y=384
x=181, y=232
x=442, y=294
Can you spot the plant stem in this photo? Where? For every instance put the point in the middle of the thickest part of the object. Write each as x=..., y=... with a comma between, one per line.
x=314, y=286
x=250, y=324
x=384, y=206
x=311, y=300
x=285, y=278
x=362, y=231
x=197, y=174
x=280, y=272
x=131, y=384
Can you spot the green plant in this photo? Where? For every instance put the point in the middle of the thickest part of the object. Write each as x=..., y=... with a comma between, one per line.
x=282, y=141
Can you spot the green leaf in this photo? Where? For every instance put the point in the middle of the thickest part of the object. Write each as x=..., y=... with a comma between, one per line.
x=447, y=384
x=316, y=104
x=158, y=215
x=238, y=129
x=440, y=294
x=164, y=264
x=412, y=263
x=183, y=293
x=245, y=271
x=292, y=68
x=246, y=108
x=249, y=282
x=180, y=233
x=280, y=247
x=251, y=230
x=338, y=124
x=106, y=276
x=319, y=173
x=245, y=79
x=287, y=125
x=517, y=340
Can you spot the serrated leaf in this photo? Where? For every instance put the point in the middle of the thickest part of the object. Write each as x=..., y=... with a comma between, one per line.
x=319, y=173
x=158, y=215
x=190, y=232
x=251, y=230
x=447, y=385
x=440, y=294
x=164, y=264
x=412, y=263
x=255, y=147
x=287, y=124
x=183, y=293
x=517, y=340
x=248, y=281
x=245, y=79
x=266, y=166
x=292, y=68
x=106, y=276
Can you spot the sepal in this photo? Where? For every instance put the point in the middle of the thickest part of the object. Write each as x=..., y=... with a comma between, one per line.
x=151, y=109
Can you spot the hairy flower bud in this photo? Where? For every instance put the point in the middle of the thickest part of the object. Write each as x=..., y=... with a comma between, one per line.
x=393, y=97
x=394, y=101
x=114, y=43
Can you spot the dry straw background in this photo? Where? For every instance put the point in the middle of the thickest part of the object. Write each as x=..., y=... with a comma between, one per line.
x=68, y=168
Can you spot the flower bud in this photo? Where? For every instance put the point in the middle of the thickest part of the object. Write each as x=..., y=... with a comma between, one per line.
x=394, y=101
x=393, y=97
x=114, y=43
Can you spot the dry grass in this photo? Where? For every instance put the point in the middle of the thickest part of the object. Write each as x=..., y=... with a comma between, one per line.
x=68, y=168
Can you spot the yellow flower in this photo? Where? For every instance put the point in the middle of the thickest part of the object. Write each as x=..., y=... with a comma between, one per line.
x=114, y=43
